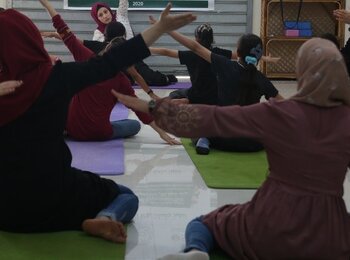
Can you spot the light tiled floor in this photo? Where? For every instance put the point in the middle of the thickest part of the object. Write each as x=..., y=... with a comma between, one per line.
x=171, y=191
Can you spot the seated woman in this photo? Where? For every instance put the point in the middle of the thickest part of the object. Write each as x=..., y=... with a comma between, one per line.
x=39, y=189
x=298, y=212
x=204, y=83
x=90, y=109
x=239, y=83
x=103, y=15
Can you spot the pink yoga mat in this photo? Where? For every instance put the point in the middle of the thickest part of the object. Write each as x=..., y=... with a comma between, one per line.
x=103, y=158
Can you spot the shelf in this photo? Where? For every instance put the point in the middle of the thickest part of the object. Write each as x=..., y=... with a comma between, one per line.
x=319, y=13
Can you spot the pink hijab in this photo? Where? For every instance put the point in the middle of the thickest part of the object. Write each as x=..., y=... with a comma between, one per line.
x=322, y=76
x=94, y=9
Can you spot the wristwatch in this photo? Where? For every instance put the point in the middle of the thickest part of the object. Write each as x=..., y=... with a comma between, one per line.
x=151, y=105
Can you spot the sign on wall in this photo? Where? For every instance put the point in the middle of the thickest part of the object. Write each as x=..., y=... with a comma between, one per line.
x=198, y=5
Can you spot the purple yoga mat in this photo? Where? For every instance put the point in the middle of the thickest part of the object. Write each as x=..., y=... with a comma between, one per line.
x=178, y=85
x=103, y=158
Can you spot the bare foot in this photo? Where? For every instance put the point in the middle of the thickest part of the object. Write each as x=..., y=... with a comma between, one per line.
x=106, y=228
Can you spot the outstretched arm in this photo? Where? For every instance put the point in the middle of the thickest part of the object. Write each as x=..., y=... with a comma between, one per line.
x=193, y=45
x=141, y=82
x=165, y=52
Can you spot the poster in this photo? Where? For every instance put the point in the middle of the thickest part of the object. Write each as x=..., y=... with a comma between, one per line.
x=192, y=5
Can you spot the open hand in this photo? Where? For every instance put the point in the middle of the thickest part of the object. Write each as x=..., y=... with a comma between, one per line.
x=342, y=15
x=172, y=22
x=10, y=86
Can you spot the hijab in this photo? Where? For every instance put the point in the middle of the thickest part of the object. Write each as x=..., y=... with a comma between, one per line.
x=22, y=57
x=94, y=9
x=322, y=75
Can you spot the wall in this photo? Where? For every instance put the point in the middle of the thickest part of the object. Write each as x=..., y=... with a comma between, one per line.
x=230, y=19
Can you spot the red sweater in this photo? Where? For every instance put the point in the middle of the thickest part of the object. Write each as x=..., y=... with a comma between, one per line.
x=90, y=109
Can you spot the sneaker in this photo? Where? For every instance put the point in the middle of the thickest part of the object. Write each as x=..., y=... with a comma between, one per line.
x=171, y=78
x=202, y=146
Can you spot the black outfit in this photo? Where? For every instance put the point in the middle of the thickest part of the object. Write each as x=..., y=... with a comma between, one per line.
x=39, y=190
x=228, y=76
x=152, y=77
x=346, y=54
x=204, y=85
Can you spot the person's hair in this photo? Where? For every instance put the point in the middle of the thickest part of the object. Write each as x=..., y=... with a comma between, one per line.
x=114, y=29
x=332, y=38
x=204, y=35
x=2, y=9
x=114, y=42
x=249, y=51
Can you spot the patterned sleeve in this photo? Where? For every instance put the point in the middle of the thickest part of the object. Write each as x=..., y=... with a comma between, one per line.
x=122, y=16
x=207, y=121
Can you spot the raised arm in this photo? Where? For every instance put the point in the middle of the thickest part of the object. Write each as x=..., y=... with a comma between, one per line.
x=52, y=12
x=75, y=46
x=193, y=45
x=165, y=52
x=122, y=16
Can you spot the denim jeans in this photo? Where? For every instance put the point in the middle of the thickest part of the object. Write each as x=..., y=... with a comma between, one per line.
x=123, y=208
x=198, y=236
x=125, y=128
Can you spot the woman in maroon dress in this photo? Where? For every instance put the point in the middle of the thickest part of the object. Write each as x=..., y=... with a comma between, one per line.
x=298, y=212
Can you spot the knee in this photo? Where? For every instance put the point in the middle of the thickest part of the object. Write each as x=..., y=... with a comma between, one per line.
x=125, y=190
x=134, y=127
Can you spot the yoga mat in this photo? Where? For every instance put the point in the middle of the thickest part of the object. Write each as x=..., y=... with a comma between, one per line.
x=229, y=170
x=177, y=85
x=104, y=157
x=67, y=245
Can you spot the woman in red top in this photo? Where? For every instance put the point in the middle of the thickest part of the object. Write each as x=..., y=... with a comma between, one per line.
x=90, y=109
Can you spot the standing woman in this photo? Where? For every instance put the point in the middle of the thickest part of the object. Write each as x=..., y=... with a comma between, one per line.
x=103, y=15
x=39, y=189
x=299, y=211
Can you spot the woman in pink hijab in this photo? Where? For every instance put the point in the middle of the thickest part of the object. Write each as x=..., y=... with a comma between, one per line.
x=298, y=212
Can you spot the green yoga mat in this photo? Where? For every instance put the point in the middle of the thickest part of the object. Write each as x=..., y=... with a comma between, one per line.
x=229, y=170
x=58, y=245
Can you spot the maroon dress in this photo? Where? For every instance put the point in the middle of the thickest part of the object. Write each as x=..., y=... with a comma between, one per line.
x=298, y=212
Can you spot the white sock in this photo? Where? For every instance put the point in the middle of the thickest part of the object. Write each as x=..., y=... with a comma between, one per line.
x=192, y=255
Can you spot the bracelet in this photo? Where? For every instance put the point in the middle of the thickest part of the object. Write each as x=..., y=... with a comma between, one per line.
x=149, y=91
